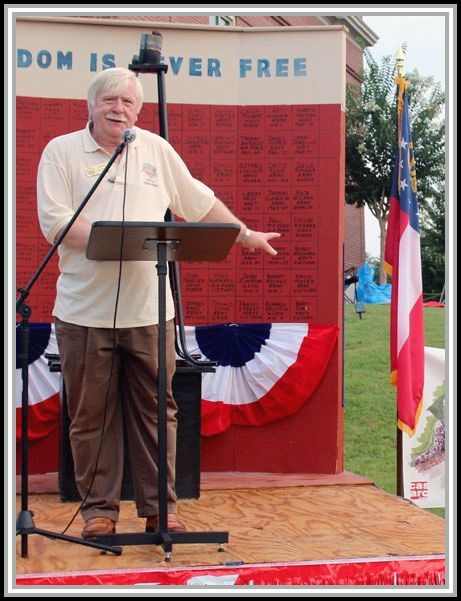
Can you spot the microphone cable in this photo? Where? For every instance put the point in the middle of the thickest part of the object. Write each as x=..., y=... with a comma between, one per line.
x=103, y=426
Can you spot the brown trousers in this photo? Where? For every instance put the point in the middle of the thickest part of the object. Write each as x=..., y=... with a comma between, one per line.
x=86, y=358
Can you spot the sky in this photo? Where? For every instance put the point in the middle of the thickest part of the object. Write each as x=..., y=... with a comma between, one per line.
x=426, y=46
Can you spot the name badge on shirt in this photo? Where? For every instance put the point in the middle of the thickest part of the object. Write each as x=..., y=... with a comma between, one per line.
x=95, y=169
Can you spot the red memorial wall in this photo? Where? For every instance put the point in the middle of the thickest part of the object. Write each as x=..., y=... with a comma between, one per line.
x=279, y=168
x=276, y=167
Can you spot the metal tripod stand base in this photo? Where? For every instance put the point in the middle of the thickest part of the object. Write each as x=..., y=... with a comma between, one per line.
x=25, y=527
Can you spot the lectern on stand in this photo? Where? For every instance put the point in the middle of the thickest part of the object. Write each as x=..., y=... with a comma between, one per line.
x=163, y=242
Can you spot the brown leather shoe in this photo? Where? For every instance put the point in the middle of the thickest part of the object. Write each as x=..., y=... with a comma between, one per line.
x=174, y=523
x=98, y=526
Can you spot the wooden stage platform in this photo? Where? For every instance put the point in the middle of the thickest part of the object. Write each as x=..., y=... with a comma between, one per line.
x=284, y=519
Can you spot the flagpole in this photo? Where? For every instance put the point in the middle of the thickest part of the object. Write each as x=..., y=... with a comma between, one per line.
x=400, y=61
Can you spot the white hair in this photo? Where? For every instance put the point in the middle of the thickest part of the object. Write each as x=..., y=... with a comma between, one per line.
x=114, y=81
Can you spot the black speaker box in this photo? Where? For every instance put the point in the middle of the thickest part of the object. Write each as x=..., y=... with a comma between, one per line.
x=187, y=390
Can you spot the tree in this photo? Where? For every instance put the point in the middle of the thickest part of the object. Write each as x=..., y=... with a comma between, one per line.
x=371, y=139
x=433, y=246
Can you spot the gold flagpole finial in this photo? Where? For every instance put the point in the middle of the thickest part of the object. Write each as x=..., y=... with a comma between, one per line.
x=400, y=81
x=400, y=60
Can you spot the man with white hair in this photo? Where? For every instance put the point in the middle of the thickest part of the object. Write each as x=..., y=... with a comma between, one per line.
x=106, y=314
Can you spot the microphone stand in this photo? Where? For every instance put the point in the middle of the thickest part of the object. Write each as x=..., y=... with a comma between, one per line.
x=24, y=523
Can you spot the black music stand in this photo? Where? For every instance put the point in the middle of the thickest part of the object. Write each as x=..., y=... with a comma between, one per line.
x=163, y=242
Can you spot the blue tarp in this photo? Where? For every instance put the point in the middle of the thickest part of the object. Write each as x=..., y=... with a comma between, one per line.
x=368, y=291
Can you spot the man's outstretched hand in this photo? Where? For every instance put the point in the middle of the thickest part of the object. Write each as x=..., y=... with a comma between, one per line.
x=260, y=241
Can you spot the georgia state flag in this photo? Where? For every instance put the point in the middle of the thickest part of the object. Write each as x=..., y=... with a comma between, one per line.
x=265, y=371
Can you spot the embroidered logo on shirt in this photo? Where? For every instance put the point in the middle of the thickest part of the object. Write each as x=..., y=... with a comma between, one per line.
x=151, y=172
x=95, y=169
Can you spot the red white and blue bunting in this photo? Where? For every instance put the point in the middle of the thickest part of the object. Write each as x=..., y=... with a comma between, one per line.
x=265, y=372
x=44, y=386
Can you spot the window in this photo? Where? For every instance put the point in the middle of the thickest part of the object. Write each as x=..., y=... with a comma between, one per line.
x=223, y=21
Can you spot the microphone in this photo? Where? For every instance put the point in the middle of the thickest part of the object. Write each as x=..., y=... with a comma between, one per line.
x=128, y=135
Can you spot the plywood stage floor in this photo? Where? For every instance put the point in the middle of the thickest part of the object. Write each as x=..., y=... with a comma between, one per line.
x=269, y=518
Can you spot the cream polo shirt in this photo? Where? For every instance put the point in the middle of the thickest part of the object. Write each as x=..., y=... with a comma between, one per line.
x=157, y=180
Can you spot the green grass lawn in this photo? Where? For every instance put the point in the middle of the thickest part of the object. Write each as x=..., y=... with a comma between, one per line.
x=370, y=401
